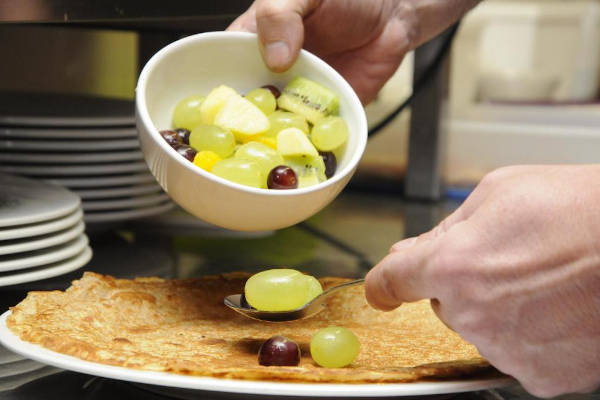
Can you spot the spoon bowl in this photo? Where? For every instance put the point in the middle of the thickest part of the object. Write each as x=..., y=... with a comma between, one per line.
x=311, y=308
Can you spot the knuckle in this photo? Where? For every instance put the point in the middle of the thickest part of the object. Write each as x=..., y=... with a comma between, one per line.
x=269, y=9
x=498, y=175
x=443, y=226
x=276, y=8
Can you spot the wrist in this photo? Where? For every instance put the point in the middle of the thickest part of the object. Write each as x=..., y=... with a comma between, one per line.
x=426, y=19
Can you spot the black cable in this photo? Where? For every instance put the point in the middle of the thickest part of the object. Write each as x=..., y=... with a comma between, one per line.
x=427, y=74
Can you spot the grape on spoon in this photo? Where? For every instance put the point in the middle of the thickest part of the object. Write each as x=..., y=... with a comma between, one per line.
x=307, y=310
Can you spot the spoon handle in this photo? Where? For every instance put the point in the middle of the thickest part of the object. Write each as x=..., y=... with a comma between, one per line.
x=334, y=289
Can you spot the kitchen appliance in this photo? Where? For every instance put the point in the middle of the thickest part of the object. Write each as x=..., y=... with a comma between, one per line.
x=523, y=87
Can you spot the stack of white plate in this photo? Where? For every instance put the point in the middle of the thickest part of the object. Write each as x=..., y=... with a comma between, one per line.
x=41, y=231
x=15, y=368
x=87, y=145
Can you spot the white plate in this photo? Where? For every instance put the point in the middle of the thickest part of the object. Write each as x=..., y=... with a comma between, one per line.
x=38, y=353
x=13, y=262
x=70, y=158
x=110, y=181
x=19, y=367
x=26, y=201
x=69, y=145
x=71, y=170
x=7, y=356
x=133, y=202
x=16, y=381
x=48, y=271
x=109, y=192
x=41, y=242
x=41, y=228
x=64, y=110
x=108, y=216
x=67, y=133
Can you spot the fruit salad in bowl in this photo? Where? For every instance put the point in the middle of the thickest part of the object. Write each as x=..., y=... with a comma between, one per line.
x=240, y=146
x=264, y=139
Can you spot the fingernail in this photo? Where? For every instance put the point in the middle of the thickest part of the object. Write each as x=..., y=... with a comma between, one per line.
x=403, y=244
x=277, y=53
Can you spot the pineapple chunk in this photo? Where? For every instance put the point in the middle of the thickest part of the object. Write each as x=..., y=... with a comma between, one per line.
x=269, y=141
x=242, y=118
x=293, y=142
x=214, y=102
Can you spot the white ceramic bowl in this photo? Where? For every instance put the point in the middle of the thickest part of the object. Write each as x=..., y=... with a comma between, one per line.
x=195, y=65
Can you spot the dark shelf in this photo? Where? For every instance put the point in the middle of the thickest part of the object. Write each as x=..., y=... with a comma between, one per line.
x=123, y=14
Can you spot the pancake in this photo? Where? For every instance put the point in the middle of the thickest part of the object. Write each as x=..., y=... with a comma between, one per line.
x=182, y=326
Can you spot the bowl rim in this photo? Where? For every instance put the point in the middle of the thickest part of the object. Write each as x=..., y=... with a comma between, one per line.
x=143, y=116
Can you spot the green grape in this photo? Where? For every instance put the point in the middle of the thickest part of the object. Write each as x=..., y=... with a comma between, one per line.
x=187, y=112
x=314, y=287
x=329, y=133
x=263, y=99
x=213, y=138
x=310, y=170
x=280, y=120
x=334, y=347
x=242, y=171
x=265, y=155
x=278, y=290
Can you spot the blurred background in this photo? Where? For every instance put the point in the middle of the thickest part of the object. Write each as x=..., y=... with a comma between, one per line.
x=523, y=85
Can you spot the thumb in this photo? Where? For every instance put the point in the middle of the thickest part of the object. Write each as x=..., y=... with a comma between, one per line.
x=402, y=276
x=280, y=28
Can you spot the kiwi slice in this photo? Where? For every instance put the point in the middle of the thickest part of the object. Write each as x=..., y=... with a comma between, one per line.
x=309, y=99
x=310, y=170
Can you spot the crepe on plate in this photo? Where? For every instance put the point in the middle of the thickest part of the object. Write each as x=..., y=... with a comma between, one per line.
x=182, y=326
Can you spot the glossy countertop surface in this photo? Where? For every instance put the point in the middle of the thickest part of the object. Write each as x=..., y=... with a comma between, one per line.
x=345, y=239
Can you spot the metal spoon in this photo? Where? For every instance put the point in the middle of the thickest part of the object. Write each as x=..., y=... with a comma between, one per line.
x=309, y=309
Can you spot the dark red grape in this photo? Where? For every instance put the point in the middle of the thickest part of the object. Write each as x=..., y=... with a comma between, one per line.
x=171, y=137
x=276, y=92
x=330, y=163
x=184, y=134
x=279, y=350
x=186, y=151
x=282, y=177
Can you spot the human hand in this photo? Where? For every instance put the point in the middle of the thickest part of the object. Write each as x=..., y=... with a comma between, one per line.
x=515, y=271
x=365, y=41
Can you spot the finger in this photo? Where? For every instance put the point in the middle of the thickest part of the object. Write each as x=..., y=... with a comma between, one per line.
x=459, y=215
x=488, y=184
x=368, y=67
x=245, y=22
x=481, y=192
x=403, y=244
x=437, y=308
x=280, y=28
x=400, y=277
